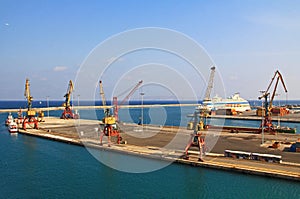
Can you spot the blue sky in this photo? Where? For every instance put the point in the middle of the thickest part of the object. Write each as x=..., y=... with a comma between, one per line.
x=48, y=40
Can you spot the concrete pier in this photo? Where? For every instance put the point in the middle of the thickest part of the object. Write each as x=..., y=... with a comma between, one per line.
x=152, y=144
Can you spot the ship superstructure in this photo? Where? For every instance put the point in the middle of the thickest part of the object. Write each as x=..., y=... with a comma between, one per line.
x=233, y=102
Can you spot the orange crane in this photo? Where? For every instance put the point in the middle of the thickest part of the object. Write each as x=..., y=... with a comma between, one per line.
x=111, y=128
x=68, y=114
x=115, y=99
x=267, y=122
x=30, y=116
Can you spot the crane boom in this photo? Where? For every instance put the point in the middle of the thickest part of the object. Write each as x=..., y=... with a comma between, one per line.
x=106, y=110
x=115, y=99
x=27, y=94
x=210, y=84
x=131, y=92
x=68, y=94
x=102, y=94
x=266, y=93
x=275, y=88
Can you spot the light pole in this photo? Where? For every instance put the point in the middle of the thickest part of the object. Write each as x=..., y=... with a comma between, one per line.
x=47, y=97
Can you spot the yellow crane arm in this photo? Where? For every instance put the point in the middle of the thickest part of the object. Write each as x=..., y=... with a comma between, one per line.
x=27, y=94
x=102, y=94
x=106, y=110
x=68, y=94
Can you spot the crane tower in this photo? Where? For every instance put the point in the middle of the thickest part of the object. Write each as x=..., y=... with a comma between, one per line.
x=68, y=113
x=267, y=122
x=111, y=128
x=30, y=116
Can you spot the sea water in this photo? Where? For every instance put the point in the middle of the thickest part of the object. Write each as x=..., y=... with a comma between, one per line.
x=32, y=167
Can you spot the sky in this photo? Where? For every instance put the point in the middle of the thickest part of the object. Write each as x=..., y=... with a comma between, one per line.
x=48, y=41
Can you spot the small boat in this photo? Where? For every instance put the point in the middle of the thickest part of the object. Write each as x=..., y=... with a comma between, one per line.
x=285, y=129
x=9, y=119
x=13, y=127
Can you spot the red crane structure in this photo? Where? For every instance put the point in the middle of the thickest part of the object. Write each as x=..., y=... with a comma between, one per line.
x=267, y=121
x=115, y=99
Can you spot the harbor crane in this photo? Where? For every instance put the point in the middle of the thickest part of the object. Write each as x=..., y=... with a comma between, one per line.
x=197, y=125
x=110, y=128
x=199, y=121
x=268, y=106
x=30, y=114
x=68, y=113
x=115, y=99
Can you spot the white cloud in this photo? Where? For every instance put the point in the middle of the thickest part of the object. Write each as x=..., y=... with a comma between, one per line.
x=60, y=68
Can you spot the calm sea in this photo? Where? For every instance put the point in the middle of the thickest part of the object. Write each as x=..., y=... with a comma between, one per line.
x=32, y=167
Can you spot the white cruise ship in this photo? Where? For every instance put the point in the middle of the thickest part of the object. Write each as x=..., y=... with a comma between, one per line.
x=234, y=102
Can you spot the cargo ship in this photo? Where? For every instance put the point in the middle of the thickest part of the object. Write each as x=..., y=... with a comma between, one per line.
x=233, y=102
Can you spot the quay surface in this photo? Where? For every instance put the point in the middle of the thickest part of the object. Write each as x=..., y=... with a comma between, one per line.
x=152, y=144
